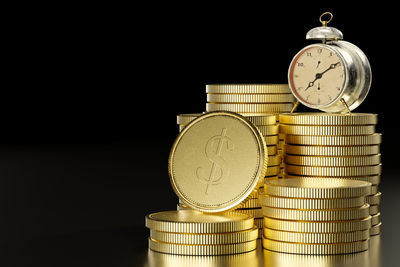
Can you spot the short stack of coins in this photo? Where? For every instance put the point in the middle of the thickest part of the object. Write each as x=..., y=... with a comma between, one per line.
x=330, y=145
x=190, y=232
x=316, y=216
x=267, y=125
x=252, y=99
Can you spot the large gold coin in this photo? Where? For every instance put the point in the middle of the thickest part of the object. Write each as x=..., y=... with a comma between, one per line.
x=333, y=161
x=191, y=221
x=376, y=229
x=206, y=239
x=315, y=249
x=374, y=180
x=335, y=119
x=333, y=171
x=250, y=98
x=217, y=162
x=248, y=89
x=317, y=188
x=310, y=203
x=374, y=199
x=206, y=250
x=269, y=129
x=318, y=227
x=326, y=130
x=317, y=215
x=316, y=238
x=251, y=108
x=325, y=140
x=331, y=150
x=373, y=209
x=376, y=218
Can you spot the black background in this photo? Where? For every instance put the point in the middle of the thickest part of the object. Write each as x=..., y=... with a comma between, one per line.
x=89, y=103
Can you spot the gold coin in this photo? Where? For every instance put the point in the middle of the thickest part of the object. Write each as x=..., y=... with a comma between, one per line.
x=217, y=162
x=206, y=239
x=374, y=199
x=274, y=160
x=269, y=129
x=325, y=140
x=317, y=215
x=250, y=98
x=250, y=203
x=271, y=140
x=335, y=119
x=183, y=119
x=261, y=119
x=254, y=212
x=251, y=108
x=374, y=190
x=315, y=238
x=333, y=161
x=317, y=188
x=206, y=250
x=315, y=249
x=259, y=222
x=376, y=229
x=310, y=203
x=248, y=89
x=272, y=150
x=331, y=150
x=318, y=227
x=373, y=209
x=326, y=130
x=376, y=218
x=273, y=171
x=333, y=171
x=191, y=221
x=374, y=180
x=271, y=178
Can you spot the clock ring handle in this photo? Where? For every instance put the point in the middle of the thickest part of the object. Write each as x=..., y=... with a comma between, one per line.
x=325, y=22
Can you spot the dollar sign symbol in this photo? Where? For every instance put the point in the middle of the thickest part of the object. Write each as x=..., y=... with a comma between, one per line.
x=213, y=154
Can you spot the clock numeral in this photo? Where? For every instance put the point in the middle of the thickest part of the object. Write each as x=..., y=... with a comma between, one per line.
x=307, y=97
x=296, y=76
x=330, y=98
x=338, y=88
x=330, y=54
x=319, y=50
x=300, y=64
x=299, y=88
x=319, y=101
x=308, y=54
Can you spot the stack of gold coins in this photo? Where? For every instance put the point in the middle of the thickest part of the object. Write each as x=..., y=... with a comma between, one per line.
x=267, y=125
x=252, y=99
x=190, y=232
x=316, y=215
x=335, y=146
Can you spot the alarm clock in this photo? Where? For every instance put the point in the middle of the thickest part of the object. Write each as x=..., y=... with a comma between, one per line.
x=332, y=76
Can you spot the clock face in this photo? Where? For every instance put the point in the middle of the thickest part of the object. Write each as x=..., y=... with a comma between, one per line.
x=316, y=76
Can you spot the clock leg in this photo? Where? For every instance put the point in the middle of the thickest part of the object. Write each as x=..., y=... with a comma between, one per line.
x=345, y=105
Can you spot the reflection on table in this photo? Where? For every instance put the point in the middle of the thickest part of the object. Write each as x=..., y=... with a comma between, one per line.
x=266, y=258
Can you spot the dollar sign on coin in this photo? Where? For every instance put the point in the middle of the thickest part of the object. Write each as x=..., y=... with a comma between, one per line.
x=213, y=151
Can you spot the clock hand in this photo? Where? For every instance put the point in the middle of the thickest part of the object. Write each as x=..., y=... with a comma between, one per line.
x=319, y=62
x=319, y=88
x=319, y=75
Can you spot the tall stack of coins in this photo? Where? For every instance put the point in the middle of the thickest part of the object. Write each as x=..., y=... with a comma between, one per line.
x=267, y=125
x=335, y=146
x=316, y=215
x=253, y=99
x=189, y=232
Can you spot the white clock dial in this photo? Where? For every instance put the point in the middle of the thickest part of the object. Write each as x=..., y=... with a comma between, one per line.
x=317, y=76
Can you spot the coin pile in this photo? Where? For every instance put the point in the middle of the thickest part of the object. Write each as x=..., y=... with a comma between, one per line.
x=329, y=145
x=316, y=215
x=253, y=99
x=189, y=232
x=267, y=125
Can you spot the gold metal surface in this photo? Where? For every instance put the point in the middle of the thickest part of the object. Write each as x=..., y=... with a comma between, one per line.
x=271, y=140
x=374, y=180
x=273, y=170
x=374, y=199
x=376, y=218
x=180, y=249
x=316, y=238
x=248, y=89
x=376, y=229
x=250, y=203
x=183, y=119
x=317, y=188
x=250, y=108
x=324, y=140
x=317, y=215
x=332, y=150
x=318, y=227
x=326, y=130
x=206, y=239
x=217, y=161
x=191, y=221
x=333, y=161
x=373, y=209
x=272, y=150
x=310, y=203
x=269, y=129
x=274, y=160
x=250, y=98
x=317, y=249
x=334, y=119
x=333, y=171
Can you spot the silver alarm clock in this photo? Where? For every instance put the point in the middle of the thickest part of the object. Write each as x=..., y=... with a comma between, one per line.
x=332, y=76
